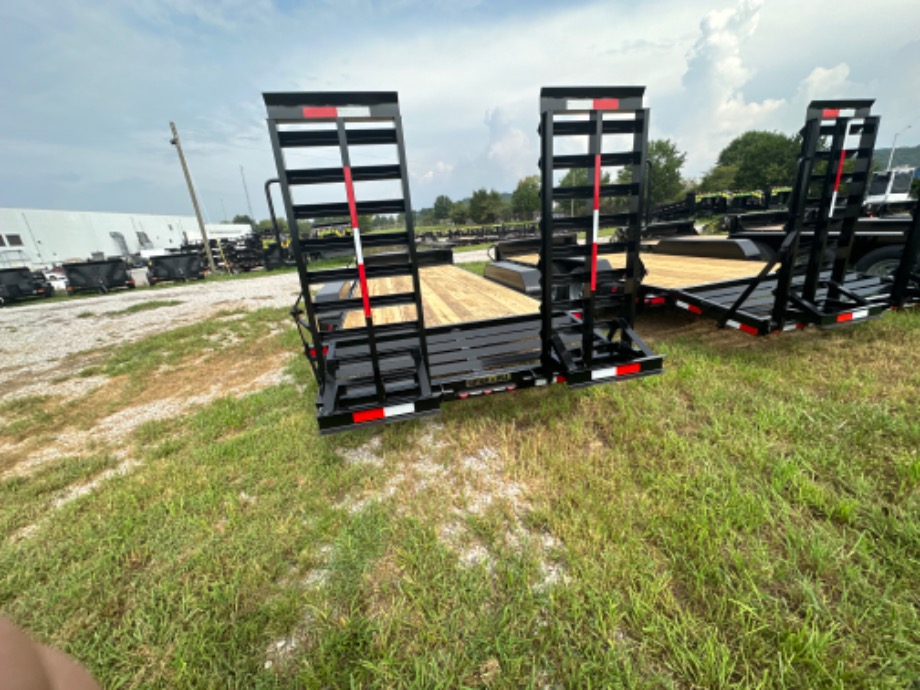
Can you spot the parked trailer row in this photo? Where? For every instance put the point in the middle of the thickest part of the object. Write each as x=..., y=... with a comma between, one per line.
x=384, y=349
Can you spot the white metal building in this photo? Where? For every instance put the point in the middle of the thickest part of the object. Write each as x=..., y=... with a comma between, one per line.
x=42, y=239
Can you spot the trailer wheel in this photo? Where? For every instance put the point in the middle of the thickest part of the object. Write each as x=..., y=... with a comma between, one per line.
x=881, y=262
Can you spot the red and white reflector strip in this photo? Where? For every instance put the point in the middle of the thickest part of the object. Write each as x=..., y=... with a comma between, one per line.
x=612, y=372
x=382, y=413
x=593, y=104
x=853, y=315
x=834, y=113
x=595, y=221
x=794, y=327
x=331, y=112
x=656, y=301
x=356, y=235
x=843, y=155
x=692, y=308
x=731, y=323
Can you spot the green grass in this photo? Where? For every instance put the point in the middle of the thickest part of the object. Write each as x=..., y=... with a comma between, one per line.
x=749, y=519
x=144, y=306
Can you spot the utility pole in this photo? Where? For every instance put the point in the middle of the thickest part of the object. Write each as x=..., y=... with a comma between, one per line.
x=894, y=144
x=191, y=190
x=246, y=190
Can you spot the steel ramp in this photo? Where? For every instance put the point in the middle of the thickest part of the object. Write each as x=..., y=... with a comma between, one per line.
x=838, y=141
x=610, y=126
x=314, y=138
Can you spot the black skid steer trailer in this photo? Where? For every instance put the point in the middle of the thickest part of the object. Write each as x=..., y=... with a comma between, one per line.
x=175, y=267
x=98, y=276
x=392, y=371
x=830, y=185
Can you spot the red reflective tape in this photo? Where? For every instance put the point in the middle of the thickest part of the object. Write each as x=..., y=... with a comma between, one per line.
x=843, y=155
x=367, y=415
x=594, y=266
x=844, y=317
x=313, y=351
x=606, y=103
x=657, y=300
x=597, y=182
x=561, y=379
x=362, y=277
x=747, y=329
x=693, y=309
x=320, y=112
x=350, y=190
x=634, y=368
x=830, y=113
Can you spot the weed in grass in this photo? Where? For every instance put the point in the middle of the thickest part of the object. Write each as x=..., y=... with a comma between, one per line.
x=145, y=306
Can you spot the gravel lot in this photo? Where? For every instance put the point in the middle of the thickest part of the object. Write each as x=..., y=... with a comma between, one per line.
x=39, y=340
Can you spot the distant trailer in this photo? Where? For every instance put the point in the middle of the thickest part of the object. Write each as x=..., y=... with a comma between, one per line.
x=174, y=267
x=21, y=283
x=98, y=276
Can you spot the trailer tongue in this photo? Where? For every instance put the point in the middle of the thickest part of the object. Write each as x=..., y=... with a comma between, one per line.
x=389, y=368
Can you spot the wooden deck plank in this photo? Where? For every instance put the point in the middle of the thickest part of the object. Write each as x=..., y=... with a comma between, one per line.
x=449, y=295
x=669, y=271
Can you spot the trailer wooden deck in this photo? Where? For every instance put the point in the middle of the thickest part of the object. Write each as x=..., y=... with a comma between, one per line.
x=669, y=272
x=449, y=295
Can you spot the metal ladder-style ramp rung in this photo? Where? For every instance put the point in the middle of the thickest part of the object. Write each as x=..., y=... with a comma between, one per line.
x=340, y=158
x=608, y=129
x=834, y=167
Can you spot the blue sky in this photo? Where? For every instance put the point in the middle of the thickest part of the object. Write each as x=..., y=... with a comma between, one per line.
x=89, y=88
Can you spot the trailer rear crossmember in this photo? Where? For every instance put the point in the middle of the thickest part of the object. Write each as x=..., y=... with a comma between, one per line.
x=388, y=370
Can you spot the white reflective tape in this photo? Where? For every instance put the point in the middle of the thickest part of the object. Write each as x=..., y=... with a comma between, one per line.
x=830, y=211
x=580, y=104
x=790, y=326
x=733, y=324
x=355, y=111
x=603, y=373
x=359, y=255
x=860, y=314
x=541, y=382
x=682, y=305
x=397, y=410
x=596, y=222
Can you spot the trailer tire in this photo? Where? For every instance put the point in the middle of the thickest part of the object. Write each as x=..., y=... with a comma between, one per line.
x=881, y=262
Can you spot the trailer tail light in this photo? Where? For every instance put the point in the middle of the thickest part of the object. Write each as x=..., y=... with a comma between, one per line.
x=382, y=413
x=612, y=372
x=313, y=352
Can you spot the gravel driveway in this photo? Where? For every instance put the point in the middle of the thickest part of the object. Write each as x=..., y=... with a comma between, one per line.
x=37, y=339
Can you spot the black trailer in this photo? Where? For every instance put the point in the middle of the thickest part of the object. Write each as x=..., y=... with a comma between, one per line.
x=391, y=370
x=822, y=289
x=22, y=283
x=182, y=266
x=98, y=276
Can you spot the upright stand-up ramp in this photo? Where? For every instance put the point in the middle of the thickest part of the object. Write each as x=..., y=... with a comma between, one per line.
x=905, y=287
x=362, y=376
x=609, y=126
x=838, y=140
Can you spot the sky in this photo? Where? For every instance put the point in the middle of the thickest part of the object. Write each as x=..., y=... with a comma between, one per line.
x=88, y=89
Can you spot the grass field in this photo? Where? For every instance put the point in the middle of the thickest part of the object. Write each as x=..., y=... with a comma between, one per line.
x=749, y=519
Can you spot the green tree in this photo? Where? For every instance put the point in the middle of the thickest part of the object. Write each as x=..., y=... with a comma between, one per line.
x=525, y=201
x=720, y=179
x=460, y=213
x=486, y=206
x=243, y=220
x=666, y=163
x=580, y=177
x=266, y=225
x=761, y=159
x=442, y=207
